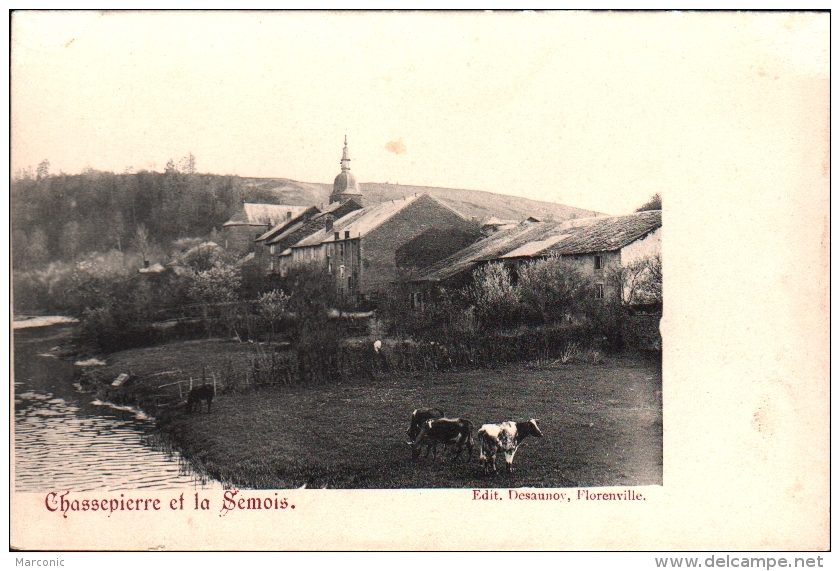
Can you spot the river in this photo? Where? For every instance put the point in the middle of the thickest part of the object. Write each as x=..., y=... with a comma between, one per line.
x=66, y=440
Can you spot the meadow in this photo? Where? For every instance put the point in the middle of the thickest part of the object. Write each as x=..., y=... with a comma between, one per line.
x=602, y=423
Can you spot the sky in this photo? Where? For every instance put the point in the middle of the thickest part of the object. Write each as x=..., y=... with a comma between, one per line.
x=594, y=110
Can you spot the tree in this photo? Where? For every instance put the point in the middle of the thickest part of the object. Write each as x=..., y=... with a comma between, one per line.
x=495, y=298
x=654, y=203
x=70, y=240
x=37, y=252
x=141, y=240
x=273, y=305
x=552, y=288
x=23, y=174
x=639, y=282
x=216, y=288
x=187, y=164
x=43, y=170
x=312, y=296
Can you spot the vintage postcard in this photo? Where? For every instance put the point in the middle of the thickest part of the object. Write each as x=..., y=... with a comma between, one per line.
x=392, y=280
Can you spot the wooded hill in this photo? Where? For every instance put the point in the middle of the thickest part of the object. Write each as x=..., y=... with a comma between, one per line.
x=63, y=217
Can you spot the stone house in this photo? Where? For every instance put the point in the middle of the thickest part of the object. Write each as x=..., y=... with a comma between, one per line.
x=594, y=246
x=277, y=246
x=360, y=249
x=252, y=221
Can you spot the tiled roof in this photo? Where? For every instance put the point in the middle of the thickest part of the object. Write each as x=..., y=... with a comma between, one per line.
x=286, y=222
x=361, y=222
x=608, y=233
x=579, y=236
x=291, y=234
x=535, y=247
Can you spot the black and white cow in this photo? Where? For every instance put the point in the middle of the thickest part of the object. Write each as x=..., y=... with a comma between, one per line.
x=418, y=419
x=507, y=437
x=447, y=431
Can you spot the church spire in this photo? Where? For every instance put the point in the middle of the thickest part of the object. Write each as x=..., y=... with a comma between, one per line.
x=345, y=157
x=345, y=186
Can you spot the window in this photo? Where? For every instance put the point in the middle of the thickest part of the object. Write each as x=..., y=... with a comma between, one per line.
x=347, y=234
x=329, y=265
x=598, y=263
x=599, y=291
x=341, y=270
x=272, y=249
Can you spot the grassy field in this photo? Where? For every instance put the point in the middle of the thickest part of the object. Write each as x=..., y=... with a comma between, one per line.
x=602, y=424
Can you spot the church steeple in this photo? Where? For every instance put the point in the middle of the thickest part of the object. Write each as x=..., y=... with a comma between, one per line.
x=345, y=186
x=345, y=157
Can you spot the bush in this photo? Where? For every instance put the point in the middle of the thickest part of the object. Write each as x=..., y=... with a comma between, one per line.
x=495, y=298
x=552, y=290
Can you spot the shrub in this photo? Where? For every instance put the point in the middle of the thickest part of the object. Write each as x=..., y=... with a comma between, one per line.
x=552, y=289
x=495, y=298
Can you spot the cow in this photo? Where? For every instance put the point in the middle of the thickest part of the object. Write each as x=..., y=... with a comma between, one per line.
x=418, y=419
x=507, y=437
x=198, y=394
x=447, y=431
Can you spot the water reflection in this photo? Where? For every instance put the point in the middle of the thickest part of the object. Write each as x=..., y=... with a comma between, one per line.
x=66, y=442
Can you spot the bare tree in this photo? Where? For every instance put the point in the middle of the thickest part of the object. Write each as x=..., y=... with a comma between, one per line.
x=187, y=164
x=639, y=282
x=141, y=241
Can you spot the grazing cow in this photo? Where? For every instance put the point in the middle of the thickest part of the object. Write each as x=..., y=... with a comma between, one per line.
x=507, y=437
x=418, y=418
x=446, y=431
x=198, y=394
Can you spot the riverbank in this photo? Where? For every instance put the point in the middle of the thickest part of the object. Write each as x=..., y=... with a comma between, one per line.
x=67, y=439
x=602, y=422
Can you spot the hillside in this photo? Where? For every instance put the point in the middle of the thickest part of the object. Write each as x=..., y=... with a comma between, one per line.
x=65, y=217
x=470, y=203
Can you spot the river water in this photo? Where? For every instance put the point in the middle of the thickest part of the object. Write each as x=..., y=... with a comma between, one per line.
x=66, y=440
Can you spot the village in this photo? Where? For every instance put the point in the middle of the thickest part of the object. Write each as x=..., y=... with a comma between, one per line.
x=313, y=338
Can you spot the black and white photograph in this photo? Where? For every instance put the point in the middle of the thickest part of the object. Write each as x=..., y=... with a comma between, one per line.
x=258, y=257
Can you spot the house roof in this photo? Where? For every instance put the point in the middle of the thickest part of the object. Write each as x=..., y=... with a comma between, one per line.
x=264, y=214
x=286, y=222
x=529, y=239
x=491, y=247
x=303, y=228
x=361, y=222
x=535, y=247
x=606, y=234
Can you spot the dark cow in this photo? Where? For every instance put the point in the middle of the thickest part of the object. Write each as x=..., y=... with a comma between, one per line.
x=447, y=431
x=507, y=437
x=418, y=418
x=198, y=394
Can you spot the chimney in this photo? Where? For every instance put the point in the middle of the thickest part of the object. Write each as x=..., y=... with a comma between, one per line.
x=329, y=224
x=289, y=215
